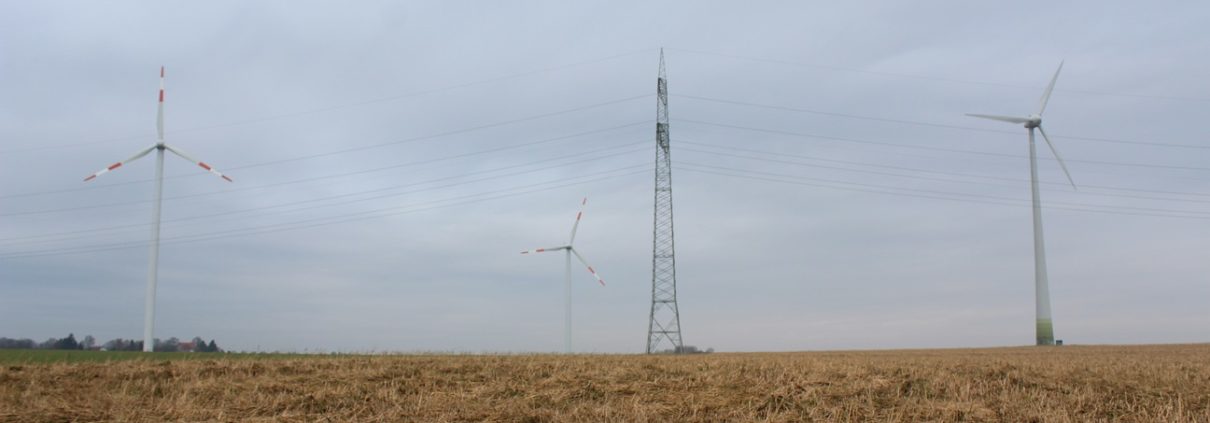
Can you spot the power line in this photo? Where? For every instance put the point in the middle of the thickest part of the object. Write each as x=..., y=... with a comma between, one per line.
x=592, y=152
x=921, y=170
x=347, y=150
x=716, y=170
x=931, y=78
x=948, y=180
x=341, y=106
x=595, y=157
x=312, y=223
x=931, y=194
x=855, y=163
x=818, y=166
x=378, y=190
x=930, y=148
x=443, y=134
x=991, y=197
x=934, y=124
x=338, y=175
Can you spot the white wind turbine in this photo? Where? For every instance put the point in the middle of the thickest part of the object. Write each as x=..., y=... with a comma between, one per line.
x=569, y=250
x=1045, y=326
x=159, y=148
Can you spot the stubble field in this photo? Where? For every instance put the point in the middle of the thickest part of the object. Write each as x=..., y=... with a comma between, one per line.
x=1166, y=383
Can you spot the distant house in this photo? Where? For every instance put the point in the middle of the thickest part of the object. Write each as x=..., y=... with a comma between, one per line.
x=187, y=347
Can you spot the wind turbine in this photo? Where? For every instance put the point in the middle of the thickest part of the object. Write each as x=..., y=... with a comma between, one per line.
x=1045, y=326
x=153, y=268
x=569, y=251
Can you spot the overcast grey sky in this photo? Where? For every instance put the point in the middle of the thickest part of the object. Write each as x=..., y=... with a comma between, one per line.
x=391, y=160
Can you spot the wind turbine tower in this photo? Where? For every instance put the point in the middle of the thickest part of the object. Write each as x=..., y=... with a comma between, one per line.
x=665, y=321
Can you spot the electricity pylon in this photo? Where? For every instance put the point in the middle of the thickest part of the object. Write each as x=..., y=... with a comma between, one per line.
x=665, y=322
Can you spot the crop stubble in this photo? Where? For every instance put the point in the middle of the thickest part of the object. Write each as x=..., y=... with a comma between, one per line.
x=1072, y=383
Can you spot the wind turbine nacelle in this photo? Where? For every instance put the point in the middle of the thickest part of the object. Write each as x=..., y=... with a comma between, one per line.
x=1033, y=122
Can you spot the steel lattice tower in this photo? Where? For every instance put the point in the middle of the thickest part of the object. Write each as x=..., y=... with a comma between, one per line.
x=665, y=323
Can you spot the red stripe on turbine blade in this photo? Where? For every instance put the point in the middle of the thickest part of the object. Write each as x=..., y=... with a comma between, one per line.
x=539, y=250
x=594, y=272
x=228, y=179
x=585, y=201
x=114, y=166
x=161, y=71
x=602, y=281
x=161, y=96
x=578, y=215
x=90, y=177
x=203, y=165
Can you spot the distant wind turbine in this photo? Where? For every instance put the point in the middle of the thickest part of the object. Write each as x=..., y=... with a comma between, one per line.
x=159, y=148
x=1045, y=326
x=569, y=250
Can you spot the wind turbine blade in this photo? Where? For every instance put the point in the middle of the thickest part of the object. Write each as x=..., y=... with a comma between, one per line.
x=577, y=224
x=200, y=163
x=543, y=250
x=1057, y=156
x=159, y=115
x=1049, y=88
x=1009, y=119
x=136, y=156
x=589, y=266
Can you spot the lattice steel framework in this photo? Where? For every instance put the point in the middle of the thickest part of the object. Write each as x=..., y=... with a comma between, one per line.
x=665, y=322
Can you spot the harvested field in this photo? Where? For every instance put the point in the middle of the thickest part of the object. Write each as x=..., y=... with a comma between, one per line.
x=1074, y=383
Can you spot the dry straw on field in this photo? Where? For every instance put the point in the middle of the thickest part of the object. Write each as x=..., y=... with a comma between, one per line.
x=1145, y=383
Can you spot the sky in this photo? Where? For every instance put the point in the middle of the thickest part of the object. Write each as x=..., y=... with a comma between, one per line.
x=391, y=159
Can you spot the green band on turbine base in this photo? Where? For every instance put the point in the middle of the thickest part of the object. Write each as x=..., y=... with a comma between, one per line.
x=1046, y=332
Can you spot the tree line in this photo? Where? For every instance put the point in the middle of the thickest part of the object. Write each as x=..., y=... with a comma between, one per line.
x=89, y=343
